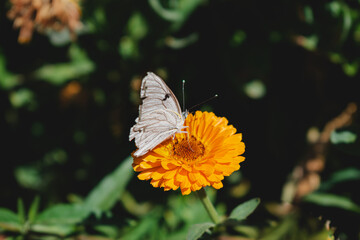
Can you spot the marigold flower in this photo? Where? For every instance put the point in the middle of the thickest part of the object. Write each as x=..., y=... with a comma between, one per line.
x=189, y=161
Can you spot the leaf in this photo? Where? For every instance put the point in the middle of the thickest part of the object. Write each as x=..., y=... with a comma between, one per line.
x=178, y=14
x=21, y=98
x=331, y=200
x=347, y=139
x=147, y=226
x=350, y=68
x=242, y=211
x=9, y=220
x=29, y=176
x=107, y=230
x=34, y=209
x=107, y=192
x=197, y=230
x=60, y=219
x=308, y=14
x=128, y=48
x=348, y=174
x=137, y=26
x=57, y=229
x=8, y=80
x=282, y=229
x=21, y=210
x=63, y=214
x=59, y=73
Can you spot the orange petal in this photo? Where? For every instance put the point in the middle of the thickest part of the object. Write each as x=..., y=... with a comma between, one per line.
x=192, y=177
x=145, y=175
x=146, y=165
x=185, y=191
x=168, y=165
x=170, y=174
x=185, y=183
x=217, y=185
x=158, y=173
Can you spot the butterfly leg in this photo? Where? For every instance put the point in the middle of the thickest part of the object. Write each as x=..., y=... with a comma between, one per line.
x=188, y=137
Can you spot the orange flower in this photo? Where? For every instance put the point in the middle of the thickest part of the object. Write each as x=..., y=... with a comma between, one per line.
x=202, y=157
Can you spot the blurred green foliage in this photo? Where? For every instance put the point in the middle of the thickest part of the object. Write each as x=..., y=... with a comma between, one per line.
x=280, y=68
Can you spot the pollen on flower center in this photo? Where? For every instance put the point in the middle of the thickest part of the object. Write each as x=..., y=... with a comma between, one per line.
x=187, y=149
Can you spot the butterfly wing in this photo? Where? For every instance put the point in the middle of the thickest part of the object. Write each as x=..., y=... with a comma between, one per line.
x=159, y=115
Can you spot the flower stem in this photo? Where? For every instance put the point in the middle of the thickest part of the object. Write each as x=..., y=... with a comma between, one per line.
x=208, y=205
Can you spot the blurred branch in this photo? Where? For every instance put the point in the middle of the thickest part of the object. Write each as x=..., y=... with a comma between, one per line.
x=305, y=177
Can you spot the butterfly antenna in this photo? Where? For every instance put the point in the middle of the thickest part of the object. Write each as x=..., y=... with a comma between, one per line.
x=183, y=94
x=203, y=102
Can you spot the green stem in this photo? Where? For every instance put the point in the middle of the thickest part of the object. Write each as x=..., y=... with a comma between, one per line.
x=208, y=205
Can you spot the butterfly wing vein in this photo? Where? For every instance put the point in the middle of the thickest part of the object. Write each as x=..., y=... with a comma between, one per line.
x=160, y=115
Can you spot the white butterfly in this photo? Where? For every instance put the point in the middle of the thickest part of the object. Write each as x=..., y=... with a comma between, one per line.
x=160, y=115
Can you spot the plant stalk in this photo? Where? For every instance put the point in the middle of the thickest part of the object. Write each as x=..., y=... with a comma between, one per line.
x=208, y=205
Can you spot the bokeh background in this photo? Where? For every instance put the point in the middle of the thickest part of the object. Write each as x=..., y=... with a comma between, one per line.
x=287, y=76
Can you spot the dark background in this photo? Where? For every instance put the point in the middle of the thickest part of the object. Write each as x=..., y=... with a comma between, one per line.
x=304, y=53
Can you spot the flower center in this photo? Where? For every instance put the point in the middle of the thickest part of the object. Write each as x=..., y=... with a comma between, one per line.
x=187, y=149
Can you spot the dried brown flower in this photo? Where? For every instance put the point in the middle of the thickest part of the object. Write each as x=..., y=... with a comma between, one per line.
x=40, y=15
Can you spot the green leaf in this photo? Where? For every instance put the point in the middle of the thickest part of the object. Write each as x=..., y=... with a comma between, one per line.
x=128, y=48
x=107, y=230
x=349, y=174
x=310, y=42
x=21, y=210
x=9, y=220
x=238, y=38
x=146, y=227
x=197, y=230
x=8, y=80
x=63, y=214
x=178, y=13
x=57, y=229
x=59, y=73
x=346, y=139
x=104, y=196
x=242, y=211
x=22, y=98
x=331, y=200
x=347, y=21
x=282, y=229
x=60, y=219
x=137, y=27
x=308, y=14
x=350, y=69
x=335, y=8
x=33, y=209
x=29, y=176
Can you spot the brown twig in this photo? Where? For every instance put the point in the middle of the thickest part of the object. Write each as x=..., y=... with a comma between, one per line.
x=305, y=177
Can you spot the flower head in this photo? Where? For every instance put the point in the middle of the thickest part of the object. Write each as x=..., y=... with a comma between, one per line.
x=41, y=15
x=201, y=157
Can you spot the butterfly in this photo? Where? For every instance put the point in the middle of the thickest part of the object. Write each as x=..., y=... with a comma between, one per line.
x=160, y=115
